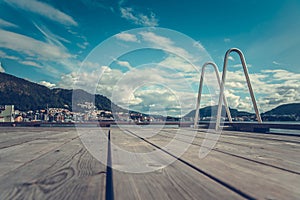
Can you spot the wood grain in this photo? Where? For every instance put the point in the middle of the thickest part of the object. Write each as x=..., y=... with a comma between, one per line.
x=261, y=181
x=67, y=171
x=176, y=181
x=52, y=163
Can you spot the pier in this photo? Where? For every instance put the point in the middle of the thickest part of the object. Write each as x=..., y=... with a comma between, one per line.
x=89, y=160
x=53, y=163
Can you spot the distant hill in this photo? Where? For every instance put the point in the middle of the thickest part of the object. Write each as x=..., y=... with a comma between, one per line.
x=212, y=111
x=286, y=109
x=287, y=112
x=26, y=95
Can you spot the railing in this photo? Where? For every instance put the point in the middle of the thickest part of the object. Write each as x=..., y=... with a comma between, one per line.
x=243, y=61
x=200, y=92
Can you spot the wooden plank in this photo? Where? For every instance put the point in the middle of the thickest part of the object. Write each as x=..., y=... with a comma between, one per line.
x=176, y=181
x=14, y=156
x=52, y=163
x=253, y=178
x=65, y=172
x=255, y=148
x=12, y=136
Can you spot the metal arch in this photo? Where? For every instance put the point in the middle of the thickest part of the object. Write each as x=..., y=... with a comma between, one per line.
x=243, y=61
x=200, y=92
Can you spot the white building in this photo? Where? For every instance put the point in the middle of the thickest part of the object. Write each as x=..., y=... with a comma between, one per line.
x=7, y=115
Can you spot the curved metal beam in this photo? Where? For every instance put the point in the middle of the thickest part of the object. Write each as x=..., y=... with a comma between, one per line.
x=243, y=61
x=200, y=92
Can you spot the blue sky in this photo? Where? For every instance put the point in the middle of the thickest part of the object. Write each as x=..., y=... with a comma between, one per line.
x=50, y=42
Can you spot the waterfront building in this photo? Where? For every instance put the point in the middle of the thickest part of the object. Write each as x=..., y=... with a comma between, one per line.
x=7, y=114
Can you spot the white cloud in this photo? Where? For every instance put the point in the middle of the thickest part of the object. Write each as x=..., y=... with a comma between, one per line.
x=227, y=40
x=232, y=99
x=283, y=75
x=83, y=45
x=157, y=39
x=31, y=47
x=165, y=43
x=271, y=87
x=4, y=55
x=231, y=58
x=156, y=100
x=50, y=37
x=43, y=9
x=134, y=88
x=31, y=63
x=4, y=23
x=127, y=37
x=1, y=68
x=241, y=66
x=178, y=64
x=154, y=89
x=285, y=88
x=103, y=77
x=89, y=65
x=124, y=64
x=86, y=43
x=199, y=45
x=160, y=90
x=52, y=54
x=276, y=63
x=138, y=18
x=47, y=84
x=140, y=88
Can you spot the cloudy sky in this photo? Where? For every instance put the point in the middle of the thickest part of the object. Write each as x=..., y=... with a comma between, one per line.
x=147, y=55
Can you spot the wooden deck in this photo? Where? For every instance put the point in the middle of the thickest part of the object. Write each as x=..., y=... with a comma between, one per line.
x=52, y=163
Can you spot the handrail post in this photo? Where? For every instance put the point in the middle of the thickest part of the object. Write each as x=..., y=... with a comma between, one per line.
x=196, y=118
x=200, y=92
x=243, y=61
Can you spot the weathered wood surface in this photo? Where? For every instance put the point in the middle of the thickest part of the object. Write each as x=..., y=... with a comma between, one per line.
x=52, y=163
x=271, y=150
x=255, y=166
x=177, y=181
x=63, y=169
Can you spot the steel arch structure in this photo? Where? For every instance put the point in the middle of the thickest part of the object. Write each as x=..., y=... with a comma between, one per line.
x=200, y=92
x=243, y=61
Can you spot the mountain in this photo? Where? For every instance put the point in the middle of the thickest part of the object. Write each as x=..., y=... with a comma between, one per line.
x=212, y=111
x=26, y=95
x=286, y=109
x=286, y=112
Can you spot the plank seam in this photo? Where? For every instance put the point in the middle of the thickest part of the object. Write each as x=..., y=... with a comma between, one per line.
x=223, y=183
